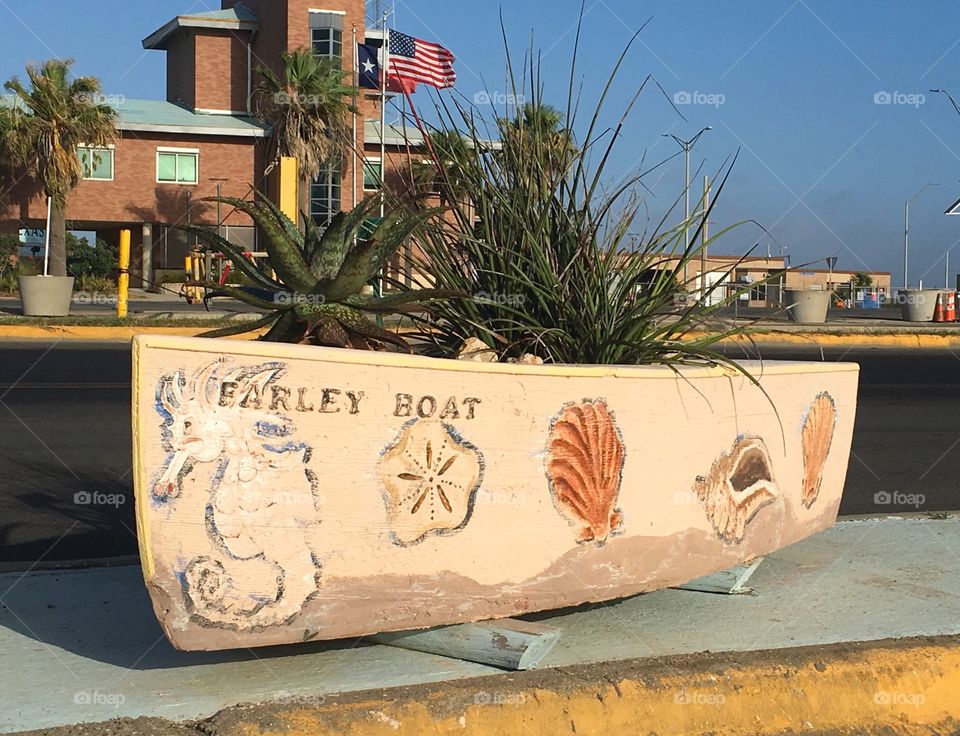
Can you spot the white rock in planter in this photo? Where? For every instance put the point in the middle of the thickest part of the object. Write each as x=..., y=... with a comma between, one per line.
x=477, y=350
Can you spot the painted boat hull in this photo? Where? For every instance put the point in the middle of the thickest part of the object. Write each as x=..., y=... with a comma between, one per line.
x=288, y=493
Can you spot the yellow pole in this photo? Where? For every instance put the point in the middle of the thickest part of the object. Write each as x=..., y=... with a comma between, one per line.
x=124, y=283
x=288, y=183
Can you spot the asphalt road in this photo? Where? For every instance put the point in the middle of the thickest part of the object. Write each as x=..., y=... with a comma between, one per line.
x=65, y=481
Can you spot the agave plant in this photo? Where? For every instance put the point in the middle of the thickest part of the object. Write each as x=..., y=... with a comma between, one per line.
x=313, y=282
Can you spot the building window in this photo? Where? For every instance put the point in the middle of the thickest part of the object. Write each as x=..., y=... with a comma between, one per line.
x=178, y=166
x=758, y=292
x=96, y=163
x=372, y=175
x=326, y=33
x=325, y=195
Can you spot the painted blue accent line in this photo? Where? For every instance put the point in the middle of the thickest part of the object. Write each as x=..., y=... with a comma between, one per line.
x=269, y=429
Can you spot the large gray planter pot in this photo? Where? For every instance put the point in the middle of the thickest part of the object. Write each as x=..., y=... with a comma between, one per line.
x=804, y=305
x=918, y=305
x=46, y=296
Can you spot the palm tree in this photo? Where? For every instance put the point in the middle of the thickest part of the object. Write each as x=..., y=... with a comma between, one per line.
x=306, y=107
x=41, y=131
x=452, y=153
x=538, y=141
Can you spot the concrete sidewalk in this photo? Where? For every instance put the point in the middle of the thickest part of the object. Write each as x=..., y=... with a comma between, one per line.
x=83, y=646
x=142, y=304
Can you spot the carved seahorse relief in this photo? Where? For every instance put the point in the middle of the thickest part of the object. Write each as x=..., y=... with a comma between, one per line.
x=253, y=517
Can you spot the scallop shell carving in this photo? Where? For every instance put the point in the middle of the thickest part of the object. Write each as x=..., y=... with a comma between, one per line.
x=739, y=484
x=816, y=440
x=584, y=465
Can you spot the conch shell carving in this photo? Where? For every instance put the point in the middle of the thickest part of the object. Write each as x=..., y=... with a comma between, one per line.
x=739, y=484
x=584, y=465
x=816, y=439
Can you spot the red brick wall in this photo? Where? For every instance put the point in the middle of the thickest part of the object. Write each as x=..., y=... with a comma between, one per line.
x=181, y=70
x=285, y=26
x=271, y=38
x=134, y=196
x=221, y=70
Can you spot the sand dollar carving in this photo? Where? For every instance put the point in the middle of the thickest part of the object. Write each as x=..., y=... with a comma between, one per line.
x=584, y=465
x=431, y=476
x=739, y=484
x=816, y=439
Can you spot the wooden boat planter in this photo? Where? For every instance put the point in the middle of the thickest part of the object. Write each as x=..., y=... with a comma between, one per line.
x=288, y=493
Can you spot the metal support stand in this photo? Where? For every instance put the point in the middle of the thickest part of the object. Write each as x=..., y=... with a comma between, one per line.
x=727, y=582
x=506, y=643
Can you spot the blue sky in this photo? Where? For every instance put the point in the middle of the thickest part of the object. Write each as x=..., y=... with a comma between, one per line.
x=792, y=84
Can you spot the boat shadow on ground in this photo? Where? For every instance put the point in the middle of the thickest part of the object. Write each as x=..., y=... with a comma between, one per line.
x=105, y=614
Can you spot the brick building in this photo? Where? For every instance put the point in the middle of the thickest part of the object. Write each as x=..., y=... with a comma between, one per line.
x=172, y=154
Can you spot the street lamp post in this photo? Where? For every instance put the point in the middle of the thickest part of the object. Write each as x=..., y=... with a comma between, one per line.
x=687, y=146
x=906, y=230
x=831, y=264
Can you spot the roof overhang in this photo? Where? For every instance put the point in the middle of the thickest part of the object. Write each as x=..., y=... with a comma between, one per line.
x=194, y=130
x=241, y=22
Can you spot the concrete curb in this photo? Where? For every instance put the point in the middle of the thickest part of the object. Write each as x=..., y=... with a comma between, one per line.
x=901, y=340
x=101, y=334
x=907, y=686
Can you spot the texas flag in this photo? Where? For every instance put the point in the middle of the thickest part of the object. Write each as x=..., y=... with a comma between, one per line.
x=368, y=66
x=411, y=61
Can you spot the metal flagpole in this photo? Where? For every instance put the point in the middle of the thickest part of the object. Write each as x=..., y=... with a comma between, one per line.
x=353, y=144
x=384, y=72
x=384, y=69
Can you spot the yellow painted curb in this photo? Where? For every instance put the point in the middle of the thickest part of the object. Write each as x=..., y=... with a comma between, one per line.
x=907, y=687
x=820, y=339
x=804, y=339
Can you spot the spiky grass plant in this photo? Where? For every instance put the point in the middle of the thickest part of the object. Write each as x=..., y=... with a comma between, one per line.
x=312, y=283
x=547, y=255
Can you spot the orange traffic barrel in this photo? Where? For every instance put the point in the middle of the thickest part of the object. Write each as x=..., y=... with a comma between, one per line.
x=950, y=312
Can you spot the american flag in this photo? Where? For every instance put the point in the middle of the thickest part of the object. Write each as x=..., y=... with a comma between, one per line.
x=413, y=61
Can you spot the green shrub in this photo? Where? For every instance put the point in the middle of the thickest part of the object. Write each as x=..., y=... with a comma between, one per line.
x=9, y=262
x=543, y=238
x=85, y=260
